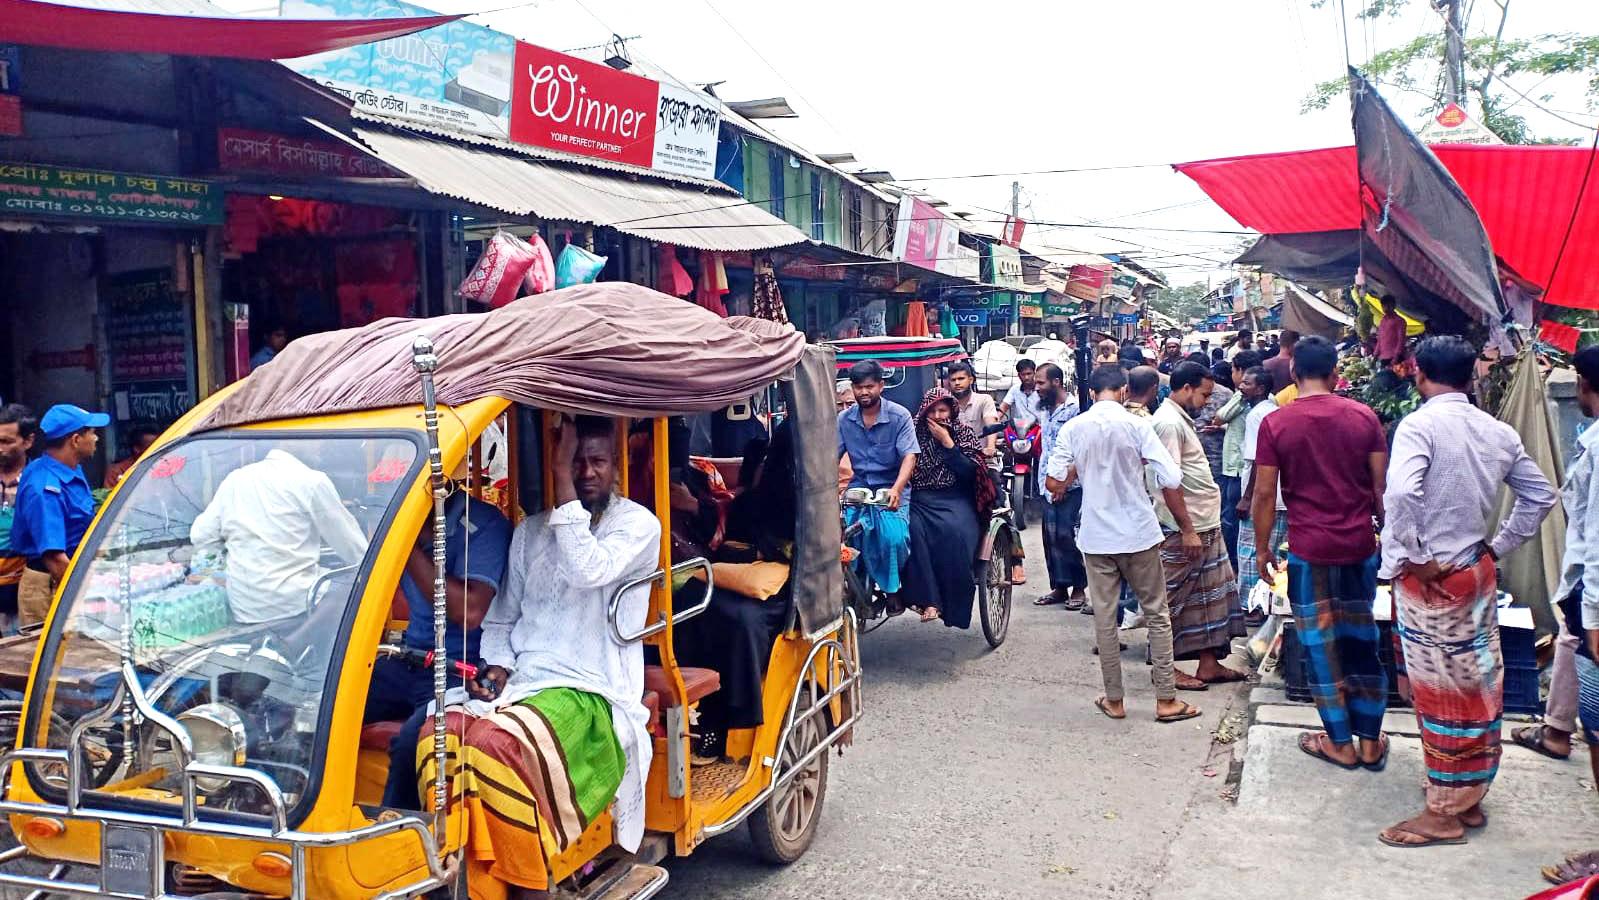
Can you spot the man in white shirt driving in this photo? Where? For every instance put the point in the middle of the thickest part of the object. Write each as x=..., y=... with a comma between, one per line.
x=271, y=519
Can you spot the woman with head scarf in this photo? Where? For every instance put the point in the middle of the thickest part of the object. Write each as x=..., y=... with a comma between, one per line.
x=950, y=497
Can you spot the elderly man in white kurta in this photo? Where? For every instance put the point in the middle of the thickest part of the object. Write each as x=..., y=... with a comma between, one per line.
x=556, y=722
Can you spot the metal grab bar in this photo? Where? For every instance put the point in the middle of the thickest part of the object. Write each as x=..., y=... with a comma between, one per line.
x=843, y=659
x=614, y=609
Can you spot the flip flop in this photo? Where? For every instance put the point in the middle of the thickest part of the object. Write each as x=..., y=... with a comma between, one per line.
x=1232, y=676
x=1189, y=711
x=1531, y=737
x=930, y=615
x=1105, y=708
x=1075, y=605
x=1382, y=758
x=1428, y=840
x=1311, y=745
x=1480, y=823
x=1048, y=600
x=1196, y=685
x=1573, y=868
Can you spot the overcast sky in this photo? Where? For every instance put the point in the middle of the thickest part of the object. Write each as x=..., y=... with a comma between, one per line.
x=926, y=89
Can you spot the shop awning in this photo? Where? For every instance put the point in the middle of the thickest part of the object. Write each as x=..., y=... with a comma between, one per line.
x=701, y=218
x=128, y=28
x=1526, y=197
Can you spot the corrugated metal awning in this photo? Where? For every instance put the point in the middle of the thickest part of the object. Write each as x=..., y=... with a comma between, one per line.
x=659, y=211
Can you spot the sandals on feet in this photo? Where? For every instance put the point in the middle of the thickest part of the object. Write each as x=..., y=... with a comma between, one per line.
x=1572, y=868
x=1381, y=761
x=930, y=614
x=1104, y=707
x=1531, y=737
x=1188, y=711
x=1314, y=744
x=1427, y=840
x=1048, y=599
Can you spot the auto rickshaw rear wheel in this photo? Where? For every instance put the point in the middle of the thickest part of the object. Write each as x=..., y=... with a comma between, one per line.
x=785, y=825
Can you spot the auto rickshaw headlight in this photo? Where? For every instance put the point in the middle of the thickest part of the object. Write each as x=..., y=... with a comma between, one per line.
x=217, y=733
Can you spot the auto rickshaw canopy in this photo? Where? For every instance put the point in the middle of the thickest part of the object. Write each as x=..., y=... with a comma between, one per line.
x=610, y=349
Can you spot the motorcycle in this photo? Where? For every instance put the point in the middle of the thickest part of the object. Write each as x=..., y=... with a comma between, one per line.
x=1021, y=459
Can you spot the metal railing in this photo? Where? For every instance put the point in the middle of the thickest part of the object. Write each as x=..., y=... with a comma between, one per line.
x=615, y=607
x=842, y=657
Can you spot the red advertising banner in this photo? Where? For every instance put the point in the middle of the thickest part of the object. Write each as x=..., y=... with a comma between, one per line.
x=565, y=103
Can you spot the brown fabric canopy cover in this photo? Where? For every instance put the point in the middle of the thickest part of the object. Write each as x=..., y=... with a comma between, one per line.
x=614, y=349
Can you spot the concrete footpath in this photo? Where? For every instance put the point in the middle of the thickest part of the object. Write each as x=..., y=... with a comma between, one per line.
x=1304, y=829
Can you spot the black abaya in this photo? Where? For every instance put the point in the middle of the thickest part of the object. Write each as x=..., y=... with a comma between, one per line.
x=944, y=538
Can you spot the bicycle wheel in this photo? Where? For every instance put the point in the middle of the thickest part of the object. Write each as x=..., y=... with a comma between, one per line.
x=994, y=590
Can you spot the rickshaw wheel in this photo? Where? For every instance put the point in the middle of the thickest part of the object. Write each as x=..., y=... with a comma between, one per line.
x=785, y=825
x=104, y=747
x=994, y=591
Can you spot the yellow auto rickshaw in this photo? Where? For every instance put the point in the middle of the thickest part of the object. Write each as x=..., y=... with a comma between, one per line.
x=192, y=729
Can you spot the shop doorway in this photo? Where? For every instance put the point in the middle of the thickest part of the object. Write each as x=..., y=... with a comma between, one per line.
x=314, y=265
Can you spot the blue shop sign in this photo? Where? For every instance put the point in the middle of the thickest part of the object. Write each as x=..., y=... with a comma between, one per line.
x=1127, y=318
x=970, y=318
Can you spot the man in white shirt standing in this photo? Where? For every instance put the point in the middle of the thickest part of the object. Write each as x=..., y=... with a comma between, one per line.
x=1257, y=388
x=1107, y=448
x=272, y=519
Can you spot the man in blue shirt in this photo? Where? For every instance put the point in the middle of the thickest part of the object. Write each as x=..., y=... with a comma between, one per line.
x=879, y=436
x=1068, y=579
x=477, y=539
x=54, y=505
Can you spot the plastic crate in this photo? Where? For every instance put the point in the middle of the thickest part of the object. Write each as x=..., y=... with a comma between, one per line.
x=1519, y=647
x=1521, y=690
x=1296, y=683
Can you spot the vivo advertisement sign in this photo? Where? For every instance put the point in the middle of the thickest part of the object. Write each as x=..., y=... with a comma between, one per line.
x=469, y=78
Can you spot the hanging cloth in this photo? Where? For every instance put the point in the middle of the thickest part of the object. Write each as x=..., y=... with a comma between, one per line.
x=712, y=283
x=916, y=319
x=670, y=276
x=766, y=300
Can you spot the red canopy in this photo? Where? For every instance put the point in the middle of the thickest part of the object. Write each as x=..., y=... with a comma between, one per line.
x=80, y=28
x=1524, y=195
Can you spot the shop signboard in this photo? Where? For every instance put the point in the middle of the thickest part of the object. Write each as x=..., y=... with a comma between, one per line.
x=455, y=76
x=1121, y=287
x=965, y=299
x=576, y=106
x=91, y=194
x=1006, y=265
x=246, y=150
x=10, y=68
x=1054, y=310
x=970, y=318
x=147, y=332
x=1127, y=318
x=10, y=115
x=1032, y=306
x=925, y=237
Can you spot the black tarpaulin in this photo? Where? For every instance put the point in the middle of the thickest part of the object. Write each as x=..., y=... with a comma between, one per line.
x=818, y=580
x=1319, y=258
x=1418, y=221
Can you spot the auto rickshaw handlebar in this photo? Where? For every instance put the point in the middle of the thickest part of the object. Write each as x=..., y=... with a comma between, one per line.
x=614, y=609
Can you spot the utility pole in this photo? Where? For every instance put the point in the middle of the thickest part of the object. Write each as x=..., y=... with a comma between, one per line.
x=1454, y=51
x=1015, y=202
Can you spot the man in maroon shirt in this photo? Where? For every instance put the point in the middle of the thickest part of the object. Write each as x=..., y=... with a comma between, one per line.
x=1331, y=457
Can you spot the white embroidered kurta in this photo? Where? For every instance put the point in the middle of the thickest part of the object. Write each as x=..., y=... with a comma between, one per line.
x=548, y=627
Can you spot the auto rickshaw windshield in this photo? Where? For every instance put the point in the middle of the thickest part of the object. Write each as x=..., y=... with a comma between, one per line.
x=222, y=574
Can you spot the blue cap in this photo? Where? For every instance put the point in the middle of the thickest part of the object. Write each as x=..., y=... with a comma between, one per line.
x=64, y=418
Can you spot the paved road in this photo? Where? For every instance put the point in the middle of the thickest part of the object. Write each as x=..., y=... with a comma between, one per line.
x=991, y=774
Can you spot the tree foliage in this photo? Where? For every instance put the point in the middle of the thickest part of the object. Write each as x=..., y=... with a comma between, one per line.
x=1184, y=303
x=1417, y=66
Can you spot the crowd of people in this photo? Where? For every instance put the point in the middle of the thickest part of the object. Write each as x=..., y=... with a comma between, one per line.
x=1192, y=478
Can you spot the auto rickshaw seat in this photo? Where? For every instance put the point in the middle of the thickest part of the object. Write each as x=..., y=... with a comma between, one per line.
x=377, y=735
x=697, y=683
